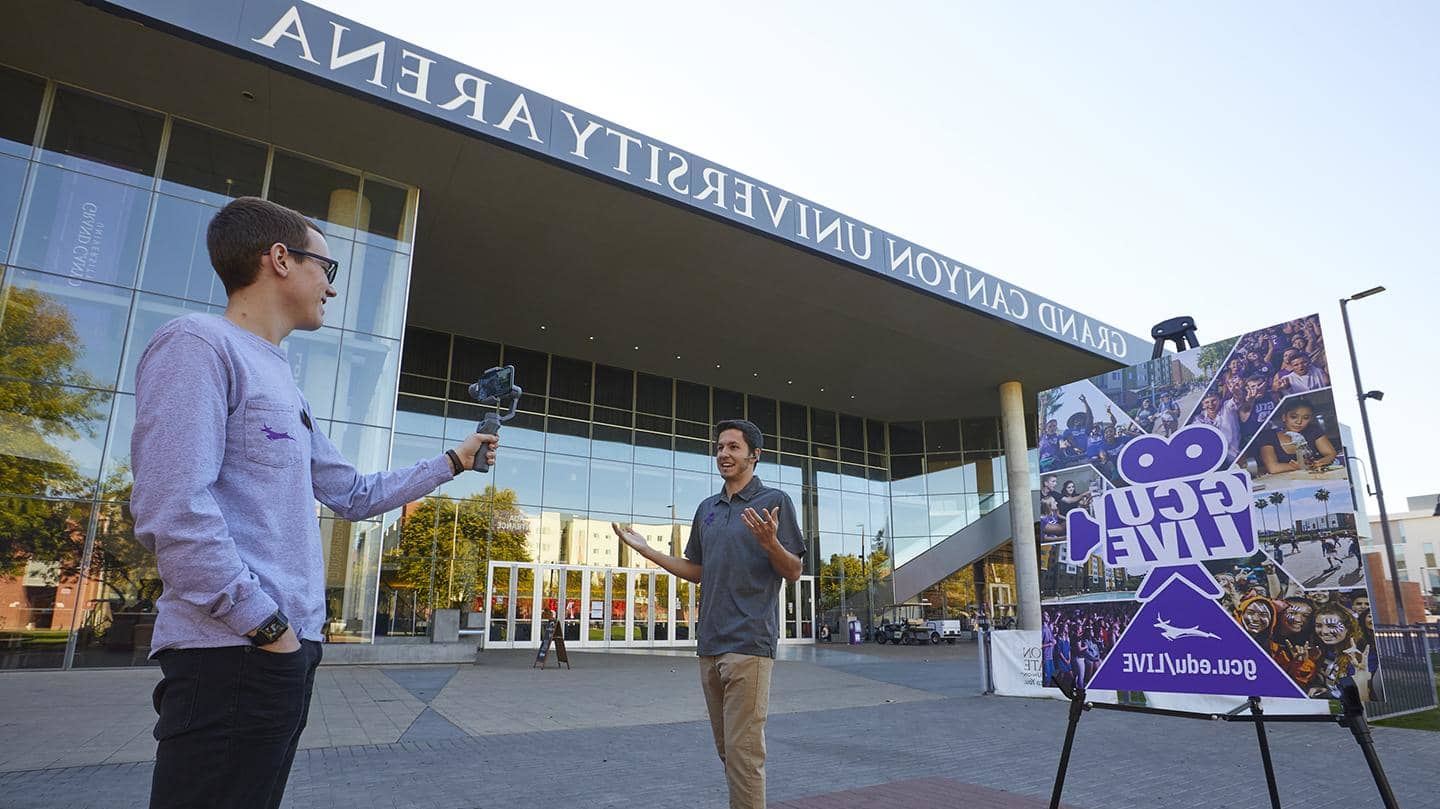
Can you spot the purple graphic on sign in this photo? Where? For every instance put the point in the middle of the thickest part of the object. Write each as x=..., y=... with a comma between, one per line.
x=1182, y=641
x=1182, y=510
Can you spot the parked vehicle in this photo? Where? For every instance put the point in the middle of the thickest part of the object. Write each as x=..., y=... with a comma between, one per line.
x=891, y=632
x=951, y=629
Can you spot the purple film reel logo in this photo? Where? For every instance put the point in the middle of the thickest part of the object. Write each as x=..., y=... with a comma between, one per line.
x=1182, y=508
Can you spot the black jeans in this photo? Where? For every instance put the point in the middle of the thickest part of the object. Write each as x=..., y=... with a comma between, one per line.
x=230, y=720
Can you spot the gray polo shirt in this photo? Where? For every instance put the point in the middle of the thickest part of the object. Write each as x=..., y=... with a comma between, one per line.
x=739, y=588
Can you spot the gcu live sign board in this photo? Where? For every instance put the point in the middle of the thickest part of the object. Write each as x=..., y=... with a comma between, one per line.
x=304, y=39
x=1158, y=479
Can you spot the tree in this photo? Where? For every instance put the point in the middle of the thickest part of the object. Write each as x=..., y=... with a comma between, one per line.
x=1213, y=356
x=1276, y=498
x=44, y=398
x=1262, y=504
x=459, y=538
x=1323, y=495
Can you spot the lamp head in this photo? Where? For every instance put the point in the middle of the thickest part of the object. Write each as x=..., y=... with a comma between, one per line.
x=1377, y=395
x=1367, y=293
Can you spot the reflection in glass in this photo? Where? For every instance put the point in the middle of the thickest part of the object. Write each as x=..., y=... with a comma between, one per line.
x=419, y=416
x=121, y=586
x=324, y=194
x=377, y=285
x=115, y=477
x=365, y=447
x=41, y=594
x=910, y=516
x=521, y=471
x=62, y=330
x=654, y=496
x=102, y=137
x=12, y=182
x=349, y=590
x=568, y=437
x=314, y=360
x=20, y=112
x=388, y=225
x=690, y=489
x=566, y=482
x=610, y=486
x=211, y=166
x=406, y=450
x=149, y=313
x=177, y=261
x=367, y=378
x=51, y=438
x=82, y=227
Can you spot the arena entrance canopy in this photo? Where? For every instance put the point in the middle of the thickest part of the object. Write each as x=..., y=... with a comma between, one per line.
x=578, y=236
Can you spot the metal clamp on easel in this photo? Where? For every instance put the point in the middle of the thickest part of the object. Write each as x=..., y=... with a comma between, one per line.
x=1179, y=329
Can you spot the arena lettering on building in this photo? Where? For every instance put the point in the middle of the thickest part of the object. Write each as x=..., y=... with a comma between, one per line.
x=302, y=38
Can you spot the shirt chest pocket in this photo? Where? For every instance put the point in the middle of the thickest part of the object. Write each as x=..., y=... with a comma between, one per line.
x=272, y=433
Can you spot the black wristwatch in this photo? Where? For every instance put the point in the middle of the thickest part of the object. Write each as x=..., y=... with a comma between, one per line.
x=270, y=631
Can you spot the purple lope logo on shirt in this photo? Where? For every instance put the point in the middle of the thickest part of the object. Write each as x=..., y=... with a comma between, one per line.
x=709, y=518
x=275, y=435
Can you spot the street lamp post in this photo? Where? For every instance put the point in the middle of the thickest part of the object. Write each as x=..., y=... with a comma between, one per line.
x=1362, y=395
x=865, y=568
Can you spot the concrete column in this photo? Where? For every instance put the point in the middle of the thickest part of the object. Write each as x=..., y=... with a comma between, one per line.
x=1022, y=510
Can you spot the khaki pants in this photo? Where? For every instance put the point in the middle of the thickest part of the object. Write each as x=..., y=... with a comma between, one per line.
x=737, y=694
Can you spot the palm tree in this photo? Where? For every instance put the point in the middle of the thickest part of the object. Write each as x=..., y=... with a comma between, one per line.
x=1262, y=504
x=1277, y=498
x=1323, y=495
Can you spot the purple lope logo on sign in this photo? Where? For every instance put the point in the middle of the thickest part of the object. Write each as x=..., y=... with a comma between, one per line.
x=275, y=435
x=1184, y=641
x=1184, y=508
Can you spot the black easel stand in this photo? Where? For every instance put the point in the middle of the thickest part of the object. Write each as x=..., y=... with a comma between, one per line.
x=1352, y=717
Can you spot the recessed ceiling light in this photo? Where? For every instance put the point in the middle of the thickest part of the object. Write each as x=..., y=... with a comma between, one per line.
x=852, y=396
x=592, y=338
x=756, y=373
x=717, y=365
x=789, y=381
x=677, y=356
x=822, y=390
x=637, y=348
x=542, y=327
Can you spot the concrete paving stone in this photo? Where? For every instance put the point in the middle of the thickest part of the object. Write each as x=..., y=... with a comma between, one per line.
x=817, y=750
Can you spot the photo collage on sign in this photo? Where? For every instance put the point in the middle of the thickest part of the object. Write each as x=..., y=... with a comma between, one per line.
x=1303, y=597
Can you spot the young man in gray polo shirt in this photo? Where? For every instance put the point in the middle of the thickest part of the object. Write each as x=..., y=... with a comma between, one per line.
x=743, y=542
x=228, y=462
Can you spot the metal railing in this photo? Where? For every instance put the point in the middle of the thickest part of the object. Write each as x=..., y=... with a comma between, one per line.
x=1407, y=676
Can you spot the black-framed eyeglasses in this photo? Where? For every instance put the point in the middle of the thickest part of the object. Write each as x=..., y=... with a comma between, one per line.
x=330, y=265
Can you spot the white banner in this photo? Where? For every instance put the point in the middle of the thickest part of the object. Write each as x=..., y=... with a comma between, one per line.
x=1019, y=668
x=1017, y=663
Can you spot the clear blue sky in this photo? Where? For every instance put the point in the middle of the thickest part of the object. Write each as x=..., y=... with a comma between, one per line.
x=1243, y=163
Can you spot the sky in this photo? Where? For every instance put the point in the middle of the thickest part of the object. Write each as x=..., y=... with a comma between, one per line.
x=1242, y=163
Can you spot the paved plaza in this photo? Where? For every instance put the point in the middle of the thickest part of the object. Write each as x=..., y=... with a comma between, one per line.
x=865, y=726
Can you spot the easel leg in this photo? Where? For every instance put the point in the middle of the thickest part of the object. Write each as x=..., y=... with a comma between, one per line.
x=1353, y=717
x=1257, y=712
x=1077, y=707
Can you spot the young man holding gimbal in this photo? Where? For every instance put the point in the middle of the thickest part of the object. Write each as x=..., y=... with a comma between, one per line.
x=743, y=542
x=228, y=462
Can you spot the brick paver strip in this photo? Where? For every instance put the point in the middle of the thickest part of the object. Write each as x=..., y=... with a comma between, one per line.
x=921, y=793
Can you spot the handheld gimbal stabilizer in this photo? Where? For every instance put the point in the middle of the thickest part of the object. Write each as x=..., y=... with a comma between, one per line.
x=496, y=386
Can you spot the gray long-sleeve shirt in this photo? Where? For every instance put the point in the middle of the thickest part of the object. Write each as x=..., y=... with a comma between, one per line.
x=228, y=464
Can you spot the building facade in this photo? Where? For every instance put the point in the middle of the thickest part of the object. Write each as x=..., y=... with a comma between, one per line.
x=508, y=230
x=1415, y=533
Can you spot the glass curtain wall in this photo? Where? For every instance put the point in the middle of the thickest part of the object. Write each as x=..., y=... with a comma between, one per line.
x=594, y=444
x=103, y=210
